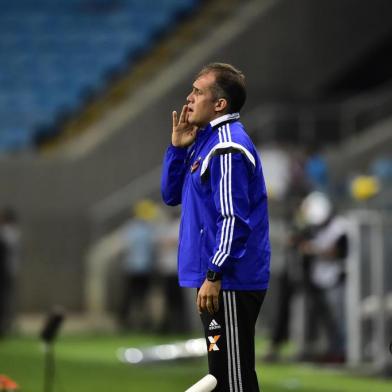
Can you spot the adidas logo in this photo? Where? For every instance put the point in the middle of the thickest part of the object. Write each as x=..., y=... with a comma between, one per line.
x=214, y=325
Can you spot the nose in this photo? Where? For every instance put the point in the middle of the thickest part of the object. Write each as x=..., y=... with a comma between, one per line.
x=189, y=98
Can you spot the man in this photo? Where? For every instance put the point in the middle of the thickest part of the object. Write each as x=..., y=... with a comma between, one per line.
x=213, y=169
x=9, y=267
x=328, y=250
x=139, y=257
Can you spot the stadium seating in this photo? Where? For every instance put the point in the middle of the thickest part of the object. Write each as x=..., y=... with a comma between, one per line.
x=53, y=52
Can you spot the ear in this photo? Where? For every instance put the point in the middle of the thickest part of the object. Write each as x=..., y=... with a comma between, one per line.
x=221, y=105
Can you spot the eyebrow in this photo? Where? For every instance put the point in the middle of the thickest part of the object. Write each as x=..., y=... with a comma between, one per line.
x=195, y=88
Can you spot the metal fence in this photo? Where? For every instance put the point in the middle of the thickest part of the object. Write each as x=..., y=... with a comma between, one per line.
x=369, y=289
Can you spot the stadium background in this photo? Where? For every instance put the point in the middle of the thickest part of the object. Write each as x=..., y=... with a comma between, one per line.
x=86, y=92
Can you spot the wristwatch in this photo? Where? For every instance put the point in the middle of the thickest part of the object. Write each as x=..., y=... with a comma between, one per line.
x=213, y=276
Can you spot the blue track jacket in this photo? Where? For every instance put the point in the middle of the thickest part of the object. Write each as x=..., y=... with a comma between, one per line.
x=224, y=221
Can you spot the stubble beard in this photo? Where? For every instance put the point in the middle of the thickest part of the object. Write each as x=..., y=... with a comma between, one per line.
x=193, y=122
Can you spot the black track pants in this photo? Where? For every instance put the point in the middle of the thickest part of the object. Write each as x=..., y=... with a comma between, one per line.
x=230, y=336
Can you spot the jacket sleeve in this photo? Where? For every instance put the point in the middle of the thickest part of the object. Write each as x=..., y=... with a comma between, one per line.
x=230, y=174
x=173, y=173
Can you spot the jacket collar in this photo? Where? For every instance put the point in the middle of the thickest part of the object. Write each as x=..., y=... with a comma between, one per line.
x=224, y=118
x=204, y=132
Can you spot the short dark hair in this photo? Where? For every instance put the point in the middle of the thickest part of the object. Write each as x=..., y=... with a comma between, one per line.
x=229, y=84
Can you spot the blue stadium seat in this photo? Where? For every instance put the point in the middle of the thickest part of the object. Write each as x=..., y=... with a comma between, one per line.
x=53, y=51
x=16, y=139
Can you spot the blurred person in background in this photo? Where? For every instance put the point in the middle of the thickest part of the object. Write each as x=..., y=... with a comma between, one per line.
x=299, y=184
x=288, y=181
x=381, y=167
x=316, y=169
x=174, y=318
x=138, y=264
x=276, y=170
x=327, y=249
x=292, y=277
x=213, y=169
x=9, y=267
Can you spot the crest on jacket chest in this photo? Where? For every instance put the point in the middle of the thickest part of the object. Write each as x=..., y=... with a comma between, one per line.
x=196, y=165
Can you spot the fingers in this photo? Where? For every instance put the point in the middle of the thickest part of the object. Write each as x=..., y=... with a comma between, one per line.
x=200, y=307
x=209, y=303
x=186, y=115
x=175, y=118
x=212, y=304
x=183, y=115
x=215, y=302
x=193, y=132
x=208, y=297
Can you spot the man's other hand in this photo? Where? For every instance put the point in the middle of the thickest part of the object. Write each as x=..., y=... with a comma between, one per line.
x=208, y=297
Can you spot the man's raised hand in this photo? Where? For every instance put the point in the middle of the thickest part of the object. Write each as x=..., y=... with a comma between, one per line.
x=183, y=134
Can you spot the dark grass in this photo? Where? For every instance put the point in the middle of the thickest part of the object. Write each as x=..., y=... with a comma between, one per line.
x=87, y=363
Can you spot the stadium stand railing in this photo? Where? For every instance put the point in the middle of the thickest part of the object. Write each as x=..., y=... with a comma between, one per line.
x=334, y=120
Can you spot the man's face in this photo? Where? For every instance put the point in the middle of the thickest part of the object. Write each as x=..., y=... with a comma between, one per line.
x=202, y=105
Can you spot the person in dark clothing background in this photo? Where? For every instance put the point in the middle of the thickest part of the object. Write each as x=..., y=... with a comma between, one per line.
x=9, y=265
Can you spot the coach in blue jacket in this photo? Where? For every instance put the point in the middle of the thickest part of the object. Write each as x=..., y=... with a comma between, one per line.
x=212, y=168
